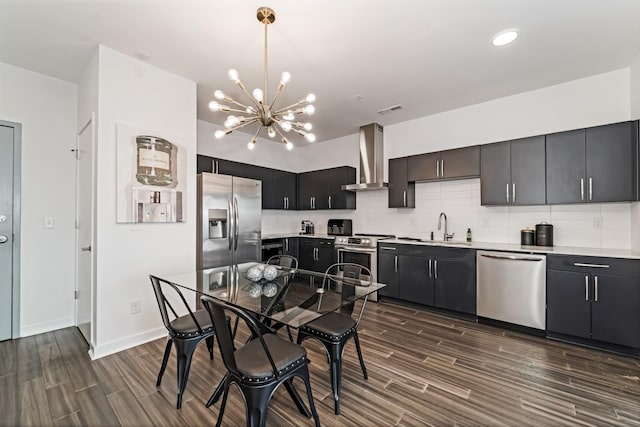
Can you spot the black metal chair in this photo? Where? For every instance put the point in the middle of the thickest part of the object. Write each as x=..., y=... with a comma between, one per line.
x=260, y=366
x=286, y=261
x=335, y=329
x=186, y=331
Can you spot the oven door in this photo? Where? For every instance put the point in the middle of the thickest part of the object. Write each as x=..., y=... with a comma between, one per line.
x=364, y=256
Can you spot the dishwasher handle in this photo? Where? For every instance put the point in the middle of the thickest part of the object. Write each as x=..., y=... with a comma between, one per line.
x=512, y=257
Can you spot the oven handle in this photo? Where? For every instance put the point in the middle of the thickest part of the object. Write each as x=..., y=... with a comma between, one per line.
x=355, y=250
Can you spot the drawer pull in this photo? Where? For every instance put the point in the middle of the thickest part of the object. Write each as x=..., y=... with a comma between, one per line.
x=581, y=264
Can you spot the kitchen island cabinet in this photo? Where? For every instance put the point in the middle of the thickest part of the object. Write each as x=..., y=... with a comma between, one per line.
x=596, y=164
x=594, y=298
x=513, y=172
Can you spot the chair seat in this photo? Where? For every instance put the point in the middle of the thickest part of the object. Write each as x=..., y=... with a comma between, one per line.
x=252, y=361
x=185, y=327
x=333, y=326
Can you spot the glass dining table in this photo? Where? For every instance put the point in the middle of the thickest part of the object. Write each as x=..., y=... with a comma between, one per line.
x=293, y=297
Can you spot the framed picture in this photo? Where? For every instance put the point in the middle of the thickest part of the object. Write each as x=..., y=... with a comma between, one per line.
x=150, y=176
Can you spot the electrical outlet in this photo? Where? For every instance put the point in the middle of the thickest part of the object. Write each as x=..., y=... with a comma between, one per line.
x=598, y=222
x=135, y=306
x=48, y=222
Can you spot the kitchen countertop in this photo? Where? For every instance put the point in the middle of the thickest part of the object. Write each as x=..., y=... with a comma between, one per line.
x=510, y=247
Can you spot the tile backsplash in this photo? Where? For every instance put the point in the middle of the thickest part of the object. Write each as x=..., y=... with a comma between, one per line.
x=593, y=225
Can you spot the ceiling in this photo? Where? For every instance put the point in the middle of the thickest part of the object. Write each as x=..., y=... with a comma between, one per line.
x=356, y=56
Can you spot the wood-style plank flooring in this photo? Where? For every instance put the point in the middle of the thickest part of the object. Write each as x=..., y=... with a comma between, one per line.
x=424, y=369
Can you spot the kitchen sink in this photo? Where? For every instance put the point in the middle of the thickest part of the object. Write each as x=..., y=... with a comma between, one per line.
x=436, y=242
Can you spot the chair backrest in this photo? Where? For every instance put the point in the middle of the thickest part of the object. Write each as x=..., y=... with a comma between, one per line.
x=340, y=273
x=159, y=288
x=284, y=261
x=217, y=310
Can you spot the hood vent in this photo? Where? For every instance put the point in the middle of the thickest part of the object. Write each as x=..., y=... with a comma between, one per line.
x=371, y=160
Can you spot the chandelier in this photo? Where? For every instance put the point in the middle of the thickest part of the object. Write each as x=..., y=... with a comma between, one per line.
x=276, y=121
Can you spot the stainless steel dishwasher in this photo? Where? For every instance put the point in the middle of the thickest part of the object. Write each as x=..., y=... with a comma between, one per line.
x=511, y=287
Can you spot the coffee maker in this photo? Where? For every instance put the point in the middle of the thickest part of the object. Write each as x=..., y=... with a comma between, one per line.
x=307, y=227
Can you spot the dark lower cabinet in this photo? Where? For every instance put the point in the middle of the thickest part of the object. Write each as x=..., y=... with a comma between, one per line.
x=432, y=276
x=315, y=254
x=290, y=246
x=594, y=298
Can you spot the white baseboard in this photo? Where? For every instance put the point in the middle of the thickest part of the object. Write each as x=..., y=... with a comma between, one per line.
x=105, y=349
x=40, y=328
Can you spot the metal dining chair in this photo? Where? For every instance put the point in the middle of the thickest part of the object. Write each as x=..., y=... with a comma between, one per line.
x=286, y=261
x=334, y=329
x=186, y=332
x=260, y=366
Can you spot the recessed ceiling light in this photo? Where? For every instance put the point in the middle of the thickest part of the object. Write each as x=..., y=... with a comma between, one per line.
x=505, y=37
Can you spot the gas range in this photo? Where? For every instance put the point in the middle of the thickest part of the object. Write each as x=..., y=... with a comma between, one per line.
x=358, y=240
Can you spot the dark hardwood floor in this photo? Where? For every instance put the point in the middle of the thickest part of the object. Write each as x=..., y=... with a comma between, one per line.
x=424, y=369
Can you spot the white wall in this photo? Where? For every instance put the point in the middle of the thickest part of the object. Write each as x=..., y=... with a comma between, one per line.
x=586, y=102
x=134, y=93
x=635, y=114
x=46, y=108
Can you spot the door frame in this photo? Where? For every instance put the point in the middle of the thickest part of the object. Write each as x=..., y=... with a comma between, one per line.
x=90, y=125
x=15, y=274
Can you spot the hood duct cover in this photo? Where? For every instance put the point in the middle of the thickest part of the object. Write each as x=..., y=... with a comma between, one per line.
x=371, y=160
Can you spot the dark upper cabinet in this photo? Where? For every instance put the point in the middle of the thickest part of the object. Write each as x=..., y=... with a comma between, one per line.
x=284, y=190
x=449, y=164
x=204, y=164
x=597, y=164
x=513, y=172
x=401, y=192
x=322, y=189
x=594, y=298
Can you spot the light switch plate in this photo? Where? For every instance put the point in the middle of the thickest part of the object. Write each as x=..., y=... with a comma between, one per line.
x=49, y=222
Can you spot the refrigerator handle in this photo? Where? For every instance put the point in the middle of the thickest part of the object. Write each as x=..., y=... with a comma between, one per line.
x=230, y=223
x=236, y=224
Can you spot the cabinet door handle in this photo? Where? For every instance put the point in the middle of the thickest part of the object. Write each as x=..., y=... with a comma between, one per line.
x=507, y=193
x=390, y=248
x=595, y=279
x=590, y=189
x=513, y=192
x=395, y=262
x=442, y=168
x=586, y=288
x=429, y=268
x=286, y=245
x=404, y=198
x=329, y=202
x=435, y=269
x=437, y=168
x=582, y=264
x=581, y=188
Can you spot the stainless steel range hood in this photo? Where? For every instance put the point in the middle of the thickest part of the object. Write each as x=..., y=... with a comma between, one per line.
x=371, y=160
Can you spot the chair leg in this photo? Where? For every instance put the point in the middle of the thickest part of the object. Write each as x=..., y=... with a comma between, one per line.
x=209, y=341
x=364, y=369
x=226, y=385
x=165, y=359
x=307, y=383
x=257, y=401
x=185, y=351
x=335, y=356
x=217, y=392
x=296, y=398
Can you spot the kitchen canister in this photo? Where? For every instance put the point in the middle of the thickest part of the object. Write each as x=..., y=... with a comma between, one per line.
x=527, y=237
x=544, y=234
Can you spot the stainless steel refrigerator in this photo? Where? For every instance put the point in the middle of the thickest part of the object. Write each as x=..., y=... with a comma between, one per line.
x=229, y=220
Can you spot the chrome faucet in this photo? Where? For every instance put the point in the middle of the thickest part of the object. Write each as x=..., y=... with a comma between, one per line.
x=446, y=235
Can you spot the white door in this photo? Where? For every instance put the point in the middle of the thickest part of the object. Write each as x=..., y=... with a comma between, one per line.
x=9, y=221
x=84, y=230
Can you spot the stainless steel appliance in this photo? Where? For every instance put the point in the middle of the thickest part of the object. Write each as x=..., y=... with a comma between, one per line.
x=229, y=220
x=307, y=227
x=339, y=227
x=271, y=247
x=360, y=249
x=511, y=287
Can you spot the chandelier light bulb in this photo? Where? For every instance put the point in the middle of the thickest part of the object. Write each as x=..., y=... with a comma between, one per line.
x=214, y=106
x=231, y=122
x=309, y=109
x=285, y=78
x=289, y=115
x=310, y=98
x=219, y=94
x=271, y=132
x=250, y=110
x=307, y=126
x=233, y=75
x=251, y=144
x=258, y=95
x=286, y=126
x=310, y=137
x=289, y=145
x=219, y=134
